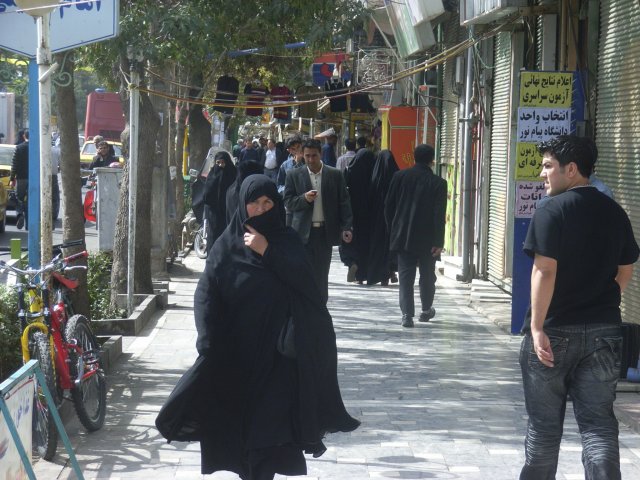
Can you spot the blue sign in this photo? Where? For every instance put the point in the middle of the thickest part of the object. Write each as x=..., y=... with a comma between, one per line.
x=72, y=24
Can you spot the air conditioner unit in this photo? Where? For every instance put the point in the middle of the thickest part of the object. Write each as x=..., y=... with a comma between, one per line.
x=487, y=11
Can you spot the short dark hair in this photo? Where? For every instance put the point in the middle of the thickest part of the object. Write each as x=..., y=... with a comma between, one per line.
x=350, y=144
x=571, y=148
x=362, y=142
x=424, y=154
x=292, y=141
x=312, y=143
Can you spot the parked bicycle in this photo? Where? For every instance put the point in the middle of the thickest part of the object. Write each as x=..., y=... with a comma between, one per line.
x=200, y=240
x=64, y=345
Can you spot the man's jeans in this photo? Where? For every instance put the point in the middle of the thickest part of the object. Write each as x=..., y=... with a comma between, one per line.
x=587, y=367
x=407, y=263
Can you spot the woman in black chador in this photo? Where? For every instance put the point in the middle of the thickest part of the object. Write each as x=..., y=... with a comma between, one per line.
x=244, y=169
x=358, y=178
x=253, y=410
x=221, y=176
x=381, y=265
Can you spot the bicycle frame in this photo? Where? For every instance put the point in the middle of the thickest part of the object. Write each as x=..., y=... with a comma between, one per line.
x=51, y=321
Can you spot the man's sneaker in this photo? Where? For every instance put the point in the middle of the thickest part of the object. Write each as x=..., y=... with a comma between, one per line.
x=407, y=321
x=428, y=315
x=351, y=275
x=20, y=221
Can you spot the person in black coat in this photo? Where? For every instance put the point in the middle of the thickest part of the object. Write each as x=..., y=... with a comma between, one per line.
x=358, y=178
x=415, y=211
x=381, y=266
x=253, y=410
x=222, y=175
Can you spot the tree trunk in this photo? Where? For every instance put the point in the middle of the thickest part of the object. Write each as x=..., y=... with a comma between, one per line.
x=71, y=193
x=149, y=124
x=199, y=129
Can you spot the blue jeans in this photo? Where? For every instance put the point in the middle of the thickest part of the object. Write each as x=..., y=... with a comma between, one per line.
x=587, y=367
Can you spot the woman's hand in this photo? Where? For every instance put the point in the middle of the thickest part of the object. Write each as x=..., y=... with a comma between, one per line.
x=255, y=240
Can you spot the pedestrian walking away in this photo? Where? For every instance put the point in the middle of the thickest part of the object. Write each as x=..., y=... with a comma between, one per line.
x=381, y=266
x=583, y=251
x=253, y=409
x=415, y=211
x=19, y=177
x=358, y=178
x=317, y=198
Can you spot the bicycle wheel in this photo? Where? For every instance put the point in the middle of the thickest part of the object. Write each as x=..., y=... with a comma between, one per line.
x=45, y=435
x=90, y=396
x=200, y=244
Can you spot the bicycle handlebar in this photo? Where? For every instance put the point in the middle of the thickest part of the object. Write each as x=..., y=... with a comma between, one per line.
x=55, y=264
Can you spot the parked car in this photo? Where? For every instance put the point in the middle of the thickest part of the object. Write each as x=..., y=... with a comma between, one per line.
x=6, y=156
x=89, y=151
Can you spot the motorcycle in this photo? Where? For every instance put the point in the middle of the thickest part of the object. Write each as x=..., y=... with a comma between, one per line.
x=89, y=206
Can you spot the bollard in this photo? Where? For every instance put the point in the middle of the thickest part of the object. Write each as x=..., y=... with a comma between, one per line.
x=16, y=248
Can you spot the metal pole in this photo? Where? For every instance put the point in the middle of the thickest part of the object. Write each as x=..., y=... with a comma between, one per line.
x=468, y=169
x=33, y=194
x=44, y=82
x=134, y=111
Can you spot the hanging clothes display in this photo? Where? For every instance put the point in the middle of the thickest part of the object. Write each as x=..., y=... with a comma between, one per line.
x=281, y=94
x=227, y=90
x=307, y=92
x=332, y=88
x=256, y=96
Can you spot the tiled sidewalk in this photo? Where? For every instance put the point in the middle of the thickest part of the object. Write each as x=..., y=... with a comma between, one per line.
x=441, y=400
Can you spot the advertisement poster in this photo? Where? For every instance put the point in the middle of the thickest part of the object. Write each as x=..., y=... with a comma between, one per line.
x=528, y=162
x=538, y=124
x=527, y=195
x=19, y=402
x=546, y=89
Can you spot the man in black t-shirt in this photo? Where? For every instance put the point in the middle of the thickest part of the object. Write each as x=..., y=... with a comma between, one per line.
x=583, y=248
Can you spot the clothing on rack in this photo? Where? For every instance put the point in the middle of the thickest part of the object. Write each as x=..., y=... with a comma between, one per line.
x=227, y=90
x=256, y=96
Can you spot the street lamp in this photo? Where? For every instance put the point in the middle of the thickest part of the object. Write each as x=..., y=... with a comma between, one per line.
x=41, y=10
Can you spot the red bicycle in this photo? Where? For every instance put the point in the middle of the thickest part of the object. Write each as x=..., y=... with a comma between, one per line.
x=64, y=345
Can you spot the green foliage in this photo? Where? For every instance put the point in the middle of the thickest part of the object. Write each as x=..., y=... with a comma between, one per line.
x=99, y=286
x=10, y=353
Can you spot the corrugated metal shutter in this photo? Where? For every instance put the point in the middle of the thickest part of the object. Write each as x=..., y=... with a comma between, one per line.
x=618, y=119
x=450, y=124
x=498, y=167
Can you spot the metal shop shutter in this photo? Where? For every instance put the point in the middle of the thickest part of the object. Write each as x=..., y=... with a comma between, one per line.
x=498, y=166
x=618, y=119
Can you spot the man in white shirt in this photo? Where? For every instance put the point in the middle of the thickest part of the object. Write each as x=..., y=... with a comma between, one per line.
x=316, y=196
x=271, y=161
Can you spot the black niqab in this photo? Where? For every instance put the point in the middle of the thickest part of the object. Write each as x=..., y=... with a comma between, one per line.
x=215, y=196
x=244, y=169
x=242, y=396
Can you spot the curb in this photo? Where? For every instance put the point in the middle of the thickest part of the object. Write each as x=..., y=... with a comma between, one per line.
x=133, y=325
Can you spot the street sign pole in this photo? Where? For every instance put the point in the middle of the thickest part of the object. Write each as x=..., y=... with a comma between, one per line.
x=33, y=194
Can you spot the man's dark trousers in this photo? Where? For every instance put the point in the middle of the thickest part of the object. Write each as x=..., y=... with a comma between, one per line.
x=320, y=255
x=586, y=366
x=407, y=263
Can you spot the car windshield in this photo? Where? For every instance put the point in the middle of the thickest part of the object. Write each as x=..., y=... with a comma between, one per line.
x=6, y=154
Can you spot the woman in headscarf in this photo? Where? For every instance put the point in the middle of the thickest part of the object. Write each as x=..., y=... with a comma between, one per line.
x=244, y=169
x=358, y=178
x=253, y=410
x=381, y=267
x=221, y=176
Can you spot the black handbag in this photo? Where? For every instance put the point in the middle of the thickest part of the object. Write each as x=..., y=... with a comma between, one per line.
x=286, y=344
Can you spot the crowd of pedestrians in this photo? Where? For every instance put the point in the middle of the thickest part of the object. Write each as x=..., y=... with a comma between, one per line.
x=264, y=389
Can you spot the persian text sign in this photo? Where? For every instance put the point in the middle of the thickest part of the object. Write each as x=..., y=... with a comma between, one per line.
x=73, y=23
x=528, y=162
x=538, y=124
x=546, y=89
x=19, y=403
x=527, y=196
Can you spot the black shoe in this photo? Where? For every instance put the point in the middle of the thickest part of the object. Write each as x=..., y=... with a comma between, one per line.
x=20, y=221
x=428, y=315
x=394, y=278
x=407, y=321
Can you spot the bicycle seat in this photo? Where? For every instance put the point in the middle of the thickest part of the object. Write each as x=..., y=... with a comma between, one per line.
x=70, y=283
